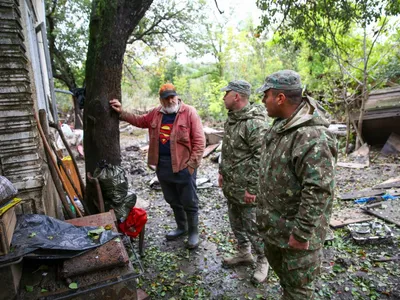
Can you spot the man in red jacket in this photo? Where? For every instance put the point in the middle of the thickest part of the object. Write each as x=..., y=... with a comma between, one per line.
x=176, y=147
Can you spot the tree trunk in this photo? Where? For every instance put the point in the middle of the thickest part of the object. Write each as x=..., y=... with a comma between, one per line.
x=78, y=122
x=112, y=22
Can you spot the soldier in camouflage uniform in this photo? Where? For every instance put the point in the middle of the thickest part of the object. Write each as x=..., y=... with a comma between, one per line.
x=296, y=184
x=238, y=173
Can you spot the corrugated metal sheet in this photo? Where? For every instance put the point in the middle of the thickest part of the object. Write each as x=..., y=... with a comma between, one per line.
x=19, y=142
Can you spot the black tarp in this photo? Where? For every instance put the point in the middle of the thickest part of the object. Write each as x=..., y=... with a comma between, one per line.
x=34, y=232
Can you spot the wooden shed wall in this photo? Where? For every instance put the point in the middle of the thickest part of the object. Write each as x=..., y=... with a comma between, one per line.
x=20, y=161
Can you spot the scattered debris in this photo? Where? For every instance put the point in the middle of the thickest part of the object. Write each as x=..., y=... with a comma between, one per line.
x=210, y=149
x=371, y=232
x=375, y=199
x=392, y=146
x=390, y=183
x=388, y=211
x=348, y=216
x=359, y=159
x=132, y=148
x=73, y=286
x=386, y=259
x=352, y=165
x=213, y=136
x=338, y=129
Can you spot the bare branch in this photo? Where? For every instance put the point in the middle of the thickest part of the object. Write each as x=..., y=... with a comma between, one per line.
x=216, y=4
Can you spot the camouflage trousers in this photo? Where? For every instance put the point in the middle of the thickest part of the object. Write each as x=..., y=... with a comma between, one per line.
x=243, y=223
x=296, y=269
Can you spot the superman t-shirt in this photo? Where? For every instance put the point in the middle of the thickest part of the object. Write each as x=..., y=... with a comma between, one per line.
x=165, y=133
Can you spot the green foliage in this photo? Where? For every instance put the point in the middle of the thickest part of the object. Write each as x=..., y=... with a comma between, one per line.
x=322, y=40
x=67, y=31
x=213, y=95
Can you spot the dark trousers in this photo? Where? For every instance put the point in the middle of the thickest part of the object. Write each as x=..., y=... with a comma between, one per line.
x=179, y=189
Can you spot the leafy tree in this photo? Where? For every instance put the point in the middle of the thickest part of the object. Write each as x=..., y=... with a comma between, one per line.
x=324, y=25
x=67, y=32
x=111, y=25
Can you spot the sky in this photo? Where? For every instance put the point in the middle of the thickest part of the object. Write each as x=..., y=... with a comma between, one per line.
x=236, y=11
x=242, y=9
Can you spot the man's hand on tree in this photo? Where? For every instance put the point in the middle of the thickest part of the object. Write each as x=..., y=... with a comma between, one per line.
x=116, y=105
x=220, y=180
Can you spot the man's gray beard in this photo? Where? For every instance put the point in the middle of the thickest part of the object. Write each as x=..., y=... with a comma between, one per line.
x=171, y=109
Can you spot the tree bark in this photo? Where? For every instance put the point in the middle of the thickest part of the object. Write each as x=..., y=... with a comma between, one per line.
x=112, y=22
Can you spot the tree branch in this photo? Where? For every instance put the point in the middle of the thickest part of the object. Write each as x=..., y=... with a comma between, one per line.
x=216, y=4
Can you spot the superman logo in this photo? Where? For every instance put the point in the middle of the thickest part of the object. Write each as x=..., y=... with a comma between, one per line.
x=165, y=132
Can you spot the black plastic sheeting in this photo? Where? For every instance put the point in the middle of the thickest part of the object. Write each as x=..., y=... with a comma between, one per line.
x=34, y=232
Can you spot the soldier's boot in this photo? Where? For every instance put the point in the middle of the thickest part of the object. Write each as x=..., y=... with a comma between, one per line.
x=181, y=225
x=193, y=223
x=261, y=271
x=243, y=257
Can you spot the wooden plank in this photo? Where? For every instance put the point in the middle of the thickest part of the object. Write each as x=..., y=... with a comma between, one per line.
x=390, y=183
x=388, y=210
x=7, y=225
x=392, y=145
x=210, y=149
x=352, y=165
x=360, y=194
x=377, y=114
x=385, y=259
x=348, y=216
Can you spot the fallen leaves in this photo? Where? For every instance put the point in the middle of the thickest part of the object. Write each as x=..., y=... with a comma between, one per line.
x=73, y=286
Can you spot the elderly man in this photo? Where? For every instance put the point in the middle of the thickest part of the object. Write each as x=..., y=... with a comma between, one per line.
x=297, y=183
x=176, y=147
x=238, y=173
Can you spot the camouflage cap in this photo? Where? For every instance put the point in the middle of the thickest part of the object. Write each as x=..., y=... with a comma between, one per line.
x=282, y=80
x=240, y=86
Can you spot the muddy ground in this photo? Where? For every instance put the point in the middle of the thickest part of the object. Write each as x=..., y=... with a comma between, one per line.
x=172, y=272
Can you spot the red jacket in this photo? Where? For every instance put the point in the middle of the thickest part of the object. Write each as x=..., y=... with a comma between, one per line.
x=187, y=138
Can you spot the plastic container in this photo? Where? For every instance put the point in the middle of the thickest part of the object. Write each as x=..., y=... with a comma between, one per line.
x=71, y=206
x=79, y=204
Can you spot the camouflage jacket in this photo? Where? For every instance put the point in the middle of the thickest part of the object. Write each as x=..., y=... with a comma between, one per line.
x=241, y=150
x=297, y=178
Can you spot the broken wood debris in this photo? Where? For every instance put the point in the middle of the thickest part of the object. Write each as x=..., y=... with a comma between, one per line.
x=389, y=186
x=388, y=211
x=385, y=259
x=348, y=216
x=390, y=183
x=392, y=145
x=358, y=159
x=210, y=149
x=352, y=165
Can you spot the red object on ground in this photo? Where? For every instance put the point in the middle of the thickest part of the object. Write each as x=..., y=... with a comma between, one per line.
x=134, y=223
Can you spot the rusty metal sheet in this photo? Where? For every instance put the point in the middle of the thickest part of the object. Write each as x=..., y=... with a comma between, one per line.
x=109, y=255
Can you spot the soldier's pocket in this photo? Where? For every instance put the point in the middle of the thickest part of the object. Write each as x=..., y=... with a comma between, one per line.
x=302, y=266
